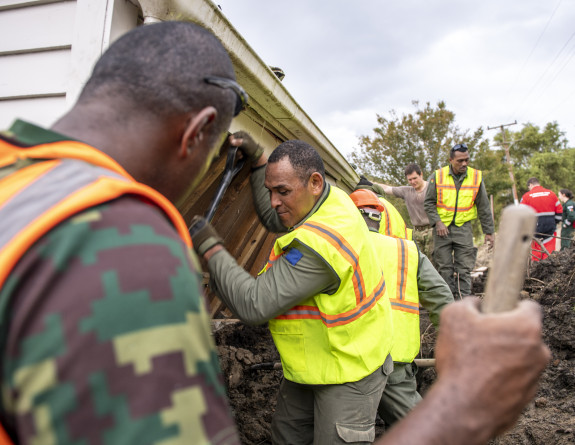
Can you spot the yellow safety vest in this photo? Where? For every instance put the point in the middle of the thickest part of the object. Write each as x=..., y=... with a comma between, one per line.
x=400, y=260
x=450, y=200
x=343, y=337
x=392, y=224
x=70, y=177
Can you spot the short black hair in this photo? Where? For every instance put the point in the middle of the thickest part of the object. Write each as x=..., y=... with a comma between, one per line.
x=458, y=147
x=303, y=158
x=567, y=193
x=532, y=181
x=160, y=69
x=412, y=168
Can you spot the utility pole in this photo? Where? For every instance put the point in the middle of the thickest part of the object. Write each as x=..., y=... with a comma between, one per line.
x=508, y=159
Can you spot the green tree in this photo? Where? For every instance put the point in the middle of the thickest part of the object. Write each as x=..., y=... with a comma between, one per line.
x=423, y=137
x=539, y=153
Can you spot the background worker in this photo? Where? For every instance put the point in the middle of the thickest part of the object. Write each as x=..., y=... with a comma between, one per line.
x=549, y=211
x=567, y=218
x=468, y=404
x=413, y=195
x=410, y=278
x=322, y=292
x=456, y=196
x=66, y=351
x=104, y=334
x=392, y=223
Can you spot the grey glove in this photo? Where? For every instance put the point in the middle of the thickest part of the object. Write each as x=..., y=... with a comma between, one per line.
x=204, y=236
x=249, y=147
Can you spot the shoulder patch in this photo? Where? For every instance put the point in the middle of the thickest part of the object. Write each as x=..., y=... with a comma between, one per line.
x=293, y=256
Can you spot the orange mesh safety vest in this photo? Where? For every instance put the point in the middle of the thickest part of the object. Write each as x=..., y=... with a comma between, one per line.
x=63, y=179
x=57, y=181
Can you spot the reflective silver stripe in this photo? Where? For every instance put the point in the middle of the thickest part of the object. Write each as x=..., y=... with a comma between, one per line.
x=45, y=192
x=546, y=214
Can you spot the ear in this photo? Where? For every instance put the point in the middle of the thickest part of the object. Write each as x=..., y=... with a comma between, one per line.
x=316, y=183
x=196, y=130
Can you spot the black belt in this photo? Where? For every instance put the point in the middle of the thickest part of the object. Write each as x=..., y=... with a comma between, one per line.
x=422, y=227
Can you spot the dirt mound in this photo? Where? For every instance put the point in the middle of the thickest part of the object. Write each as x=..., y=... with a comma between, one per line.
x=549, y=419
x=252, y=392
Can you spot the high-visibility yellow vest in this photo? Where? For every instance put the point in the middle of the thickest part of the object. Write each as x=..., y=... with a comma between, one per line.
x=343, y=337
x=400, y=260
x=392, y=224
x=69, y=177
x=450, y=200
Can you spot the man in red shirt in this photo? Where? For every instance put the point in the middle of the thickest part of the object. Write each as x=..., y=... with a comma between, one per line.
x=549, y=210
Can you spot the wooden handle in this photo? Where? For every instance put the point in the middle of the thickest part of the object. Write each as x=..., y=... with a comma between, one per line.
x=507, y=271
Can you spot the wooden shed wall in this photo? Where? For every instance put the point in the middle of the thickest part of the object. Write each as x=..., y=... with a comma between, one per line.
x=48, y=48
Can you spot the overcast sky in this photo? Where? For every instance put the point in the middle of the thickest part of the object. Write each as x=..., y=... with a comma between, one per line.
x=491, y=61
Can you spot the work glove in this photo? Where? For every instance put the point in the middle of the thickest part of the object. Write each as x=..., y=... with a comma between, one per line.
x=204, y=236
x=249, y=147
x=364, y=181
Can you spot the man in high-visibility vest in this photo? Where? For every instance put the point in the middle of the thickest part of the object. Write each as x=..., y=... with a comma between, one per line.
x=413, y=195
x=410, y=279
x=105, y=338
x=392, y=223
x=323, y=293
x=456, y=196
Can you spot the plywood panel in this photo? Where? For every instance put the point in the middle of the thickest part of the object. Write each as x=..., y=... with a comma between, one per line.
x=38, y=27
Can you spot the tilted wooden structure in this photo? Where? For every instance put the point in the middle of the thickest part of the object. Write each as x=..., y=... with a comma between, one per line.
x=75, y=35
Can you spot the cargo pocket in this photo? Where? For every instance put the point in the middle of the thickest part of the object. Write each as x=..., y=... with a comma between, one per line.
x=289, y=340
x=355, y=432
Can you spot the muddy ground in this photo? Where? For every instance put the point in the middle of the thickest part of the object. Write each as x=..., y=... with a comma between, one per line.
x=549, y=419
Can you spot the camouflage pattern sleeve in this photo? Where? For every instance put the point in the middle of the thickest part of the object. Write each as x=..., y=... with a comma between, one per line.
x=105, y=338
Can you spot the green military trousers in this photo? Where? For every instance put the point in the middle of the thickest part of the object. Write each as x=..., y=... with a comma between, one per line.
x=566, y=237
x=454, y=257
x=423, y=236
x=400, y=394
x=329, y=414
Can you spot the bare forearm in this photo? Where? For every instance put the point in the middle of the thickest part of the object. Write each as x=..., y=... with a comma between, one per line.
x=439, y=419
x=385, y=188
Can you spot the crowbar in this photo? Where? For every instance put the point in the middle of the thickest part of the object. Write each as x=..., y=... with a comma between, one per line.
x=231, y=169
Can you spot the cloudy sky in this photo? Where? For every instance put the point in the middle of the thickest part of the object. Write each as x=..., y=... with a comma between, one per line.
x=493, y=62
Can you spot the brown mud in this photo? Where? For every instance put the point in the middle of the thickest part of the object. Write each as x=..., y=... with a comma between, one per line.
x=548, y=419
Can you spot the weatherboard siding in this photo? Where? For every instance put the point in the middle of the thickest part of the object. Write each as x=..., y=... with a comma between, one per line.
x=48, y=49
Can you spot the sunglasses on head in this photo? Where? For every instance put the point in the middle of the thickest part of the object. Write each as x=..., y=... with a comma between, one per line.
x=374, y=215
x=222, y=82
x=459, y=147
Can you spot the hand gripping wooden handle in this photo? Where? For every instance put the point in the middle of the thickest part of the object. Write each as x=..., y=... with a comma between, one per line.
x=512, y=249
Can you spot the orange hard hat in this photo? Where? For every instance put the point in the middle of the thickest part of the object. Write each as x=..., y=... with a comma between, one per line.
x=366, y=198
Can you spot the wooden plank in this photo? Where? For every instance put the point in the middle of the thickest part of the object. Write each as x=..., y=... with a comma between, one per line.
x=14, y=4
x=41, y=110
x=38, y=28
x=37, y=74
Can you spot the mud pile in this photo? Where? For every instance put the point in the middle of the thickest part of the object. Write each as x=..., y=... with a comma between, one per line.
x=252, y=392
x=549, y=419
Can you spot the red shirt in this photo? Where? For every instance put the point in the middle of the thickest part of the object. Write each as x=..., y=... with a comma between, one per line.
x=546, y=205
